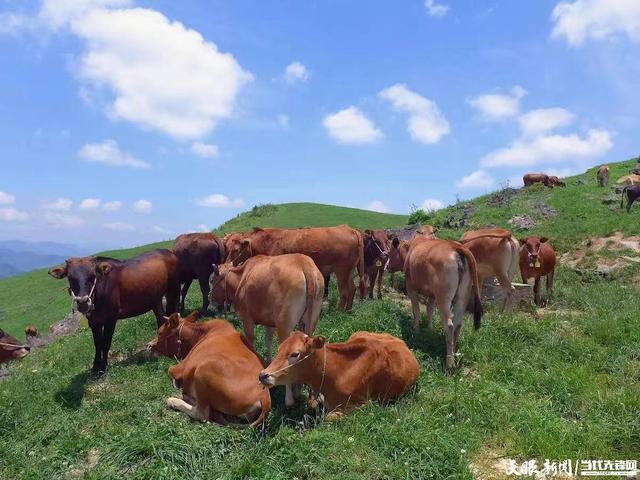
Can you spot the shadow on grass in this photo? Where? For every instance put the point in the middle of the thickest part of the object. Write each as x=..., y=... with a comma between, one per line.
x=431, y=342
x=140, y=357
x=71, y=396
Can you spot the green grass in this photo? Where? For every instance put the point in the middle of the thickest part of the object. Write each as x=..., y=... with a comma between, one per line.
x=563, y=386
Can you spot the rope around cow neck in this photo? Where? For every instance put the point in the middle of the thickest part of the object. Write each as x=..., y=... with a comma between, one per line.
x=324, y=365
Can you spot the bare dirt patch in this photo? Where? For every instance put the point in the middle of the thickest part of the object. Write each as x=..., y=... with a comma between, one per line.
x=603, y=255
x=522, y=222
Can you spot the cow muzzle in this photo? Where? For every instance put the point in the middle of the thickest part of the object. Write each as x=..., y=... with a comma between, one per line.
x=266, y=379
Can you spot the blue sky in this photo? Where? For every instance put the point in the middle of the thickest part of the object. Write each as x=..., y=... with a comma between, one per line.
x=126, y=121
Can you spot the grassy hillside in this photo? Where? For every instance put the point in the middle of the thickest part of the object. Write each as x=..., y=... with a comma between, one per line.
x=563, y=384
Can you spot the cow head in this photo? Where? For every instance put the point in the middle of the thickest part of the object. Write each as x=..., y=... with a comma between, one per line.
x=219, y=291
x=397, y=254
x=375, y=246
x=293, y=355
x=238, y=247
x=555, y=181
x=84, y=275
x=11, y=348
x=168, y=338
x=531, y=248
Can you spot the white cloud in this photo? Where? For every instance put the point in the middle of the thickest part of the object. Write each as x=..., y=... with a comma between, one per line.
x=431, y=205
x=143, y=206
x=6, y=198
x=350, y=126
x=112, y=206
x=543, y=120
x=119, y=226
x=205, y=150
x=218, y=200
x=550, y=149
x=596, y=19
x=283, y=121
x=62, y=220
x=494, y=107
x=478, y=180
x=13, y=215
x=59, y=204
x=109, y=153
x=426, y=123
x=437, y=10
x=378, y=206
x=90, y=204
x=296, y=72
x=59, y=13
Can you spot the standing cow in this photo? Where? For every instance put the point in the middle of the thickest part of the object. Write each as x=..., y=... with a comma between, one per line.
x=106, y=290
x=376, y=254
x=537, y=259
x=632, y=193
x=338, y=250
x=603, y=175
x=197, y=253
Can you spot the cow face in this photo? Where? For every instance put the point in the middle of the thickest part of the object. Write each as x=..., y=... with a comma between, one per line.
x=396, y=257
x=531, y=248
x=83, y=275
x=238, y=248
x=11, y=348
x=292, y=357
x=168, y=339
x=217, y=284
x=375, y=246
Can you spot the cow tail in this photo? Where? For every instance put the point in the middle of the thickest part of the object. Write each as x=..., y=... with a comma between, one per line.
x=310, y=304
x=624, y=190
x=360, y=265
x=477, y=302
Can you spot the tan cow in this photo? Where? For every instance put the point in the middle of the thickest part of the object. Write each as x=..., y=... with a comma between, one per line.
x=336, y=250
x=278, y=292
x=368, y=366
x=496, y=252
x=603, y=175
x=628, y=180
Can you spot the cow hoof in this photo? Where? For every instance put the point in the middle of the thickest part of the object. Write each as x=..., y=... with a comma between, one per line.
x=174, y=403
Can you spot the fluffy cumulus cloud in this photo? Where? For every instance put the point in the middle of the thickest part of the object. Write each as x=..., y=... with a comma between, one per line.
x=218, y=200
x=551, y=149
x=437, y=10
x=431, y=205
x=59, y=13
x=59, y=204
x=109, y=153
x=90, y=204
x=478, y=180
x=351, y=127
x=495, y=107
x=13, y=215
x=6, y=198
x=142, y=206
x=543, y=120
x=426, y=122
x=580, y=20
x=119, y=226
x=378, y=206
x=112, y=206
x=205, y=150
x=296, y=72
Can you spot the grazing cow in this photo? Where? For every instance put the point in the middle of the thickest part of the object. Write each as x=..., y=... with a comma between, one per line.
x=627, y=180
x=11, y=348
x=496, y=252
x=376, y=254
x=278, y=292
x=554, y=181
x=218, y=376
x=336, y=250
x=603, y=175
x=531, y=178
x=537, y=259
x=444, y=272
x=368, y=366
x=406, y=234
x=632, y=192
x=197, y=253
x=106, y=290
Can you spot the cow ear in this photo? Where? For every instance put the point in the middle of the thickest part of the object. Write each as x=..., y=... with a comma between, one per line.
x=368, y=232
x=318, y=342
x=543, y=239
x=58, y=272
x=192, y=317
x=174, y=320
x=395, y=242
x=103, y=268
x=523, y=241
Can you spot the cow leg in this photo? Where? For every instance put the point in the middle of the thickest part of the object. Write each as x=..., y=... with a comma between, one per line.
x=508, y=288
x=430, y=305
x=173, y=297
x=106, y=342
x=550, y=276
x=415, y=307
x=327, y=279
x=249, y=331
x=380, y=274
x=97, y=331
x=289, y=400
x=180, y=405
x=204, y=288
x=536, y=291
x=158, y=311
x=183, y=294
x=371, y=276
x=347, y=289
x=630, y=201
x=268, y=340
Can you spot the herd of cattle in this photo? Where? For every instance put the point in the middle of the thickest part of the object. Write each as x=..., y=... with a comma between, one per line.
x=277, y=278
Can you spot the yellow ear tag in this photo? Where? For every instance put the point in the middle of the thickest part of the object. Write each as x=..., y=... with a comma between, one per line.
x=537, y=263
x=378, y=263
x=84, y=323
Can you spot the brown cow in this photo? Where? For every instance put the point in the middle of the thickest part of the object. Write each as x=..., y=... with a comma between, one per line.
x=336, y=250
x=197, y=253
x=106, y=290
x=496, y=252
x=555, y=182
x=368, y=366
x=537, y=259
x=444, y=272
x=531, y=178
x=627, y=180
x=11, y=348
x=376, y=254
x=603, y=175
x=278, y=292
x=218, y=376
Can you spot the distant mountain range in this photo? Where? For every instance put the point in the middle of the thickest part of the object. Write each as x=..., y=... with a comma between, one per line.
x=17, y=256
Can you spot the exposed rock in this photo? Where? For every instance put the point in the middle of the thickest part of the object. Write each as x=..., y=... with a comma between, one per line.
x=522, y=222
x=458, y=218
x=405, y=233
x=588, y=258
x=502, y=198
x=547, y=211
x=611, y=198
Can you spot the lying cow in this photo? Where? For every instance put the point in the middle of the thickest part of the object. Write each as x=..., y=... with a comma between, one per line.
x=632, y=193
x=197, y=253
x=11, y=348
x=537, y=259
x=376, y=253
x=106, y=290
x=368, y=366
x=496, y=252
x=336, y=250
x=218, y=374
x=627, y=180
x=603, y=175
x=278, y=292
x=444, y=272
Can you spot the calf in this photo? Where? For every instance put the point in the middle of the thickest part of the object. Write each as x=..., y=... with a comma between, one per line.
x=11, y=348
x=106, y=290
x=496, y=253
x=376, y=254
x=632, y=192
x=278, y=292
x=603, y=175
x=537, y=259
x=368, y=366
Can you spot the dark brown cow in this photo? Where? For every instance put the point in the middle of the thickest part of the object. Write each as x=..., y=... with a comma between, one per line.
x=537, y=259
x=338, y=250
x=106, y=290
x=11, y=348
x=197, y=253
x=376, y=253
x=632, y=193
x=555, y=182
x=603, y=175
